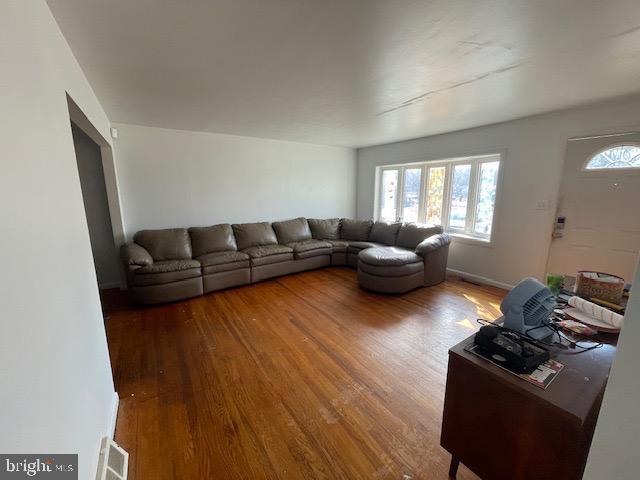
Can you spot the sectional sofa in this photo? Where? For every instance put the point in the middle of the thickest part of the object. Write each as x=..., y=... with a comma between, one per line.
x=174, y=264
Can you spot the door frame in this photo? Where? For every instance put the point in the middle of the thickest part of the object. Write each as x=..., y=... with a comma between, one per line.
x=78, y=117
x=607, y=135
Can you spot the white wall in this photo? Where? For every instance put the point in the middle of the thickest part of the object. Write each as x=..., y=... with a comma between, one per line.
x=614, y=451
x=173, y=178
x=534, y=148
x=56, y=390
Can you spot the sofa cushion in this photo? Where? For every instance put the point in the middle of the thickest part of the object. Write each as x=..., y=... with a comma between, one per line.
x=268, y=260
x=295, y=230
x=385, y=233
x=268, y=254
x=308, y=245
x=167, y=244
x=166, y=271
x=388, y=256
x=338, y=246
x=223, y=262
x=225, y=267
x=217, y=238
x=151, y=279
x=325, y=229
x=312, y=253
x=355, y=247
x=357, y=230
x=165, y=266
x=392, y=270
x=411, y=234
x=267, y=250
x=220, y=258
x=254, y=234
x=310, y=248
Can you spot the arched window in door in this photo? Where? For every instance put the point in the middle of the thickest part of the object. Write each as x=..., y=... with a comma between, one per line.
x=619, y=156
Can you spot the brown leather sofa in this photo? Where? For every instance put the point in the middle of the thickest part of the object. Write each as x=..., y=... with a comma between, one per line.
x=174, y=264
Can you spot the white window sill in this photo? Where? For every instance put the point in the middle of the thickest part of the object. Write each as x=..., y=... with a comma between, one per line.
x=471, y=240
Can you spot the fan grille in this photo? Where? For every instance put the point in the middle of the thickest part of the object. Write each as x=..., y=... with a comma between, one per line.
x=538, y=307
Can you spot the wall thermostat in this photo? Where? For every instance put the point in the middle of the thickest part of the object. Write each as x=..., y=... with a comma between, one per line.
x=558, y=230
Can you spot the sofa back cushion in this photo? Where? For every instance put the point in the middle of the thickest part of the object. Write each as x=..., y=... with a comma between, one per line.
x=254, y=234
x=166, y=244
x=217, y=238
x=289, y=231
x=325, y=229
x=383, y=232
x=356, y=230
x=411, y=234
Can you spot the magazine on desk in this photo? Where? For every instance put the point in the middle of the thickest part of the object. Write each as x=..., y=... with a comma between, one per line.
x=541, y=377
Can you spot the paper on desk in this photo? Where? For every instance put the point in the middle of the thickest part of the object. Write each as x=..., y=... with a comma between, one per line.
x=592, y=314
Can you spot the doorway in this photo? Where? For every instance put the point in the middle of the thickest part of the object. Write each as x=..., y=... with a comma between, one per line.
x=100, y=183
x=599, y=198
x=96, y=207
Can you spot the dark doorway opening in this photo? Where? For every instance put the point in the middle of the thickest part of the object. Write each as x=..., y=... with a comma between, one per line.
x=96, y=207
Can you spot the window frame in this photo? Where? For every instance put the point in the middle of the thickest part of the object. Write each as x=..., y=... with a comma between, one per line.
x=475, y=161
x=446, y=188
x=610, y=169
x=420, y=191
x=380, y=189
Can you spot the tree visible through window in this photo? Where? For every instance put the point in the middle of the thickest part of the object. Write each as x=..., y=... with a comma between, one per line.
x=459, y=194
x=621, y=156
x=435, y=194
x=411, y=194
x=488, y=184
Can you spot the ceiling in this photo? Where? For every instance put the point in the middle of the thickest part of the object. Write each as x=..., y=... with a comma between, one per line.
x=349, y=72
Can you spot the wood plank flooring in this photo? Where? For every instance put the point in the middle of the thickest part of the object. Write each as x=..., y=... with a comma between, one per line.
x=302, y=377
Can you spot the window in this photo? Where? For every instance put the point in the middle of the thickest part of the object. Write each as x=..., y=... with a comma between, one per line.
x=411, y=194
x=620, y=156
x=435, y=194
x=459, y=194
x=389, y=195
x=487, y=186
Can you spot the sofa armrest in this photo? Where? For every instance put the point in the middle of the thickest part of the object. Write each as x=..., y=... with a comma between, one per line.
x=433, y=243
x=133, y=254
x=434, y=252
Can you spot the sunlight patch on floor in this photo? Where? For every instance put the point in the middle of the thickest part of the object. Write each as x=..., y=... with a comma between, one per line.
x=466, y=323
x=487, y=310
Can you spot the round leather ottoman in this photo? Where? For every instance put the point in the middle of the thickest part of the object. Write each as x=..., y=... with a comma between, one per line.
x=390, y=270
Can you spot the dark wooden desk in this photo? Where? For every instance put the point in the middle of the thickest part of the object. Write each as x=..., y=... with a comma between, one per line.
x=502, y=427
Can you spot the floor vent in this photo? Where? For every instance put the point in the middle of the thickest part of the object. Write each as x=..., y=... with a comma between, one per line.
x=113, y=463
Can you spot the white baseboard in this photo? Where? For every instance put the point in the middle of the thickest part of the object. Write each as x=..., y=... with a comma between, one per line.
x=480, y=279
x=114, y=415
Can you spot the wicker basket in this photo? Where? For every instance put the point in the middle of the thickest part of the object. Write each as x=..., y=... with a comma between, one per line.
x=600, y=285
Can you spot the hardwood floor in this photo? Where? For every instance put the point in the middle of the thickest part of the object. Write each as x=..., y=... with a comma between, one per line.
x=301, y=377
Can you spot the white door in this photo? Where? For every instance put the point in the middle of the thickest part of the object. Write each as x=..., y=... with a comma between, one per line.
x=600, y=198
